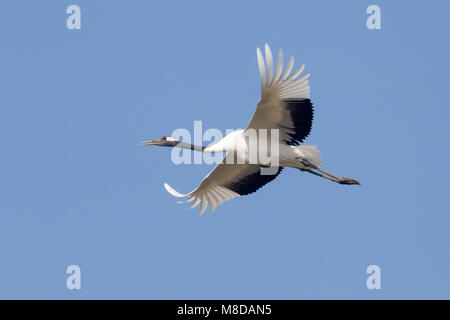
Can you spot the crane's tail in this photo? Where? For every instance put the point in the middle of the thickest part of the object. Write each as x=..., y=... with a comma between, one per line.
x=309, y=153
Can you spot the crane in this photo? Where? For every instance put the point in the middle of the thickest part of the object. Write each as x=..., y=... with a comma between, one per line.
x=285, y=107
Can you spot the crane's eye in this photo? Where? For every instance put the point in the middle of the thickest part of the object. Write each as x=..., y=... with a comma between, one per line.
x=164, y=138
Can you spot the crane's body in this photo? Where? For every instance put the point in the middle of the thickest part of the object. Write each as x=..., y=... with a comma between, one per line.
x=288, y=156
x=282, y=120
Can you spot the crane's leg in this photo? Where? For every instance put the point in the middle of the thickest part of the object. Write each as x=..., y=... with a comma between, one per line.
x=320, y=175
x=311, y=169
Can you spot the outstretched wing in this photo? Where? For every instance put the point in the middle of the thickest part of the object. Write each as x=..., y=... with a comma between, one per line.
x=285, y=103
x=225, y=182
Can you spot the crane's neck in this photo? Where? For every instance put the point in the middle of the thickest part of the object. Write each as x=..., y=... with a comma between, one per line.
x=189, y=146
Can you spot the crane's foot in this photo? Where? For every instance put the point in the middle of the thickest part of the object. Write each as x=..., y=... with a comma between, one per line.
x=348, y=181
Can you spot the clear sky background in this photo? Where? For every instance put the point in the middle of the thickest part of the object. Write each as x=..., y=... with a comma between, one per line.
x=76, y=187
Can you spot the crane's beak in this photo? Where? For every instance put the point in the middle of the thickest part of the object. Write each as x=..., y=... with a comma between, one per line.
x=151, y=142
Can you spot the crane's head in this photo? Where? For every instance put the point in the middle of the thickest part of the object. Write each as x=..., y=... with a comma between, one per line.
x=165, y=141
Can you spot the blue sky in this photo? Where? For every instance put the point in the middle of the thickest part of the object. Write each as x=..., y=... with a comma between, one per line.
x=76, y=187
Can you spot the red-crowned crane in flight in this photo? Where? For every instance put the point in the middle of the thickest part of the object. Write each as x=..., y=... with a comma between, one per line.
x=285, y=106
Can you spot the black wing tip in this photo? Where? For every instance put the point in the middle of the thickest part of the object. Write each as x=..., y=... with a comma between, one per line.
x=253, y=182
x=302, y=114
